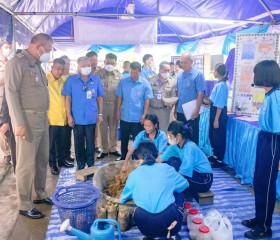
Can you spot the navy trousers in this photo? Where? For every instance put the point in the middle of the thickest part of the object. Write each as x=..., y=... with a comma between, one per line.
x=265, y=177
x=217, y=136
x=57, y=145
x=199, y=182
x=84, y=138
x=154, y=225
x=194, y=124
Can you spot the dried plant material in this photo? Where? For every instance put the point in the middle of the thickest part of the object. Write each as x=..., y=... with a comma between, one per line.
x=116, y=185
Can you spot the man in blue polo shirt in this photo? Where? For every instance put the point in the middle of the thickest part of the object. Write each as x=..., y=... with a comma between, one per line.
x=147, y=70
x=84, y=105
x=190, y=86
x=133, y=94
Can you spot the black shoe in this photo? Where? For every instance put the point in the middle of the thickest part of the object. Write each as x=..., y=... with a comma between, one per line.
x=66, y=164
x=70, y=159
x=116, y=153
x=47, y=201
x=250, y=223
x=98, y=150
x=212, y=159
x=119, y=159
x=8, y=159
x=256, y=234
x=33, y=213
x=217, y=164
x=102, y=155
x=54, y=170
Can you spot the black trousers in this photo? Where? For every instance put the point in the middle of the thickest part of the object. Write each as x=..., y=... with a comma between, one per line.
x=128, y=128
x=57, y=145
x=68, y=132
x=265, y=177
x=217, y=136
x=84, y=138
x=194, y=124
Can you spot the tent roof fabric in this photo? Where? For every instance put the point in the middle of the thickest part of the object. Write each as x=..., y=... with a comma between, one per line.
x=55, y=17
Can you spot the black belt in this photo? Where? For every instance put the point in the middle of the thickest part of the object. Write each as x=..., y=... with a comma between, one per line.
x=158, y=108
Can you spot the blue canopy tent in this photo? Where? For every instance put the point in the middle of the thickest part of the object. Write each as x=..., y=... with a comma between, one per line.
x=198, y=19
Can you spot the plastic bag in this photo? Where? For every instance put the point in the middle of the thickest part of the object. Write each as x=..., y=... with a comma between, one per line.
x=220, y=226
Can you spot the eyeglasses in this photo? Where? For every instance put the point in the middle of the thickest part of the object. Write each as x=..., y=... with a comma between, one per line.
x=85, y=87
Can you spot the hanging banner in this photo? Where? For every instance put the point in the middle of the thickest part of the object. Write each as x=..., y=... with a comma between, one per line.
x=115, y=31
x=251, y=49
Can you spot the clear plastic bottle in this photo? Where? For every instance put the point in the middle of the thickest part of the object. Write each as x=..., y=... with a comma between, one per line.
x=194, y=228
x=204, y=233
x=193, y=212
x=187, y=207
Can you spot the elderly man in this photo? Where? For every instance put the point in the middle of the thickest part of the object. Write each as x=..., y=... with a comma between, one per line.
x=163, y=87
x=110, y=78
x=28, y=101
x=84, y=106
x=190, y=86
x=57, y=117
x=133, y=100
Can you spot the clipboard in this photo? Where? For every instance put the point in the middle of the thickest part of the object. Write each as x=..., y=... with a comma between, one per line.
x=189, y=108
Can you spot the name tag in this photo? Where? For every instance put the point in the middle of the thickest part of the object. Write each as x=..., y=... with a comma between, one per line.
x=89, y=94
x=159, y=96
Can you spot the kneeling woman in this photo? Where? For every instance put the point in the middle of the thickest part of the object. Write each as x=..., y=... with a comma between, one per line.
x=151, y=133
x=152, y=187
x=187, y=158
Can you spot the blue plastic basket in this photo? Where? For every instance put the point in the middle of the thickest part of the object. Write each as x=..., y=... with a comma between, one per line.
x=77, y=203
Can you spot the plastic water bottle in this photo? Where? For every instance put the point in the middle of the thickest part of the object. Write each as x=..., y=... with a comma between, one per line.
x=194, y=228
x=192, y=214
x=204, y=233
x=187, y=207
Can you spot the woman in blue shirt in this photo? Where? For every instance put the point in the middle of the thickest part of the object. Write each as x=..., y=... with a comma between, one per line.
x=187, y=158
x=151, y=133
x=218, y=116
x=156, y=189
x=266, y=76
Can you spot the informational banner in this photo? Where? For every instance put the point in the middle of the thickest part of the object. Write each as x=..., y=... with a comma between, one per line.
x=115, y=31
x=251, y=49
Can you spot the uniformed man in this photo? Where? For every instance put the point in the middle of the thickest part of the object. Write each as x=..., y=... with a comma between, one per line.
x=110, y=78
x=28, y=101
x=147, y=70
x=68, y=130
x=163, y=86
x=7, y=139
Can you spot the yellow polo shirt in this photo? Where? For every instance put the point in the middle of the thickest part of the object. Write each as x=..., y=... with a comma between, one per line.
x=57, y=111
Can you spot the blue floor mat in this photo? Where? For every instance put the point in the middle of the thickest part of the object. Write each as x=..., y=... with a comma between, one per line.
x=230, y=198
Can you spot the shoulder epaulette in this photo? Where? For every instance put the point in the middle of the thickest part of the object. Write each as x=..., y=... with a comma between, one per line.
x=19, y=55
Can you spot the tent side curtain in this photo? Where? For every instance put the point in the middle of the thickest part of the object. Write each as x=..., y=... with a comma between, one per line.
x=6, y=25
x=22, y=34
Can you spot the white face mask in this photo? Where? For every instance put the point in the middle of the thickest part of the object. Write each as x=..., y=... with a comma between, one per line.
x=85, y=70
x=45, y=57
x=6, y=52
x=109, y=68
x=172, y=141
x=165, y=75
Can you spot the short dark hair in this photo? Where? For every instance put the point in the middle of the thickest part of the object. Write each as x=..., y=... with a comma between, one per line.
x=41, y=37
x=178, y=63
x=178, y=127
x=163, y=63
x=153, y=118
x=59, y=61
x=146, y=57
x=267, y=74
x=147, y=151
x=135, y=66
x=127, y=63
x=111, y=56
x=65, y=57
x=91, y=54
x=171, y=64
x=221, y=69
